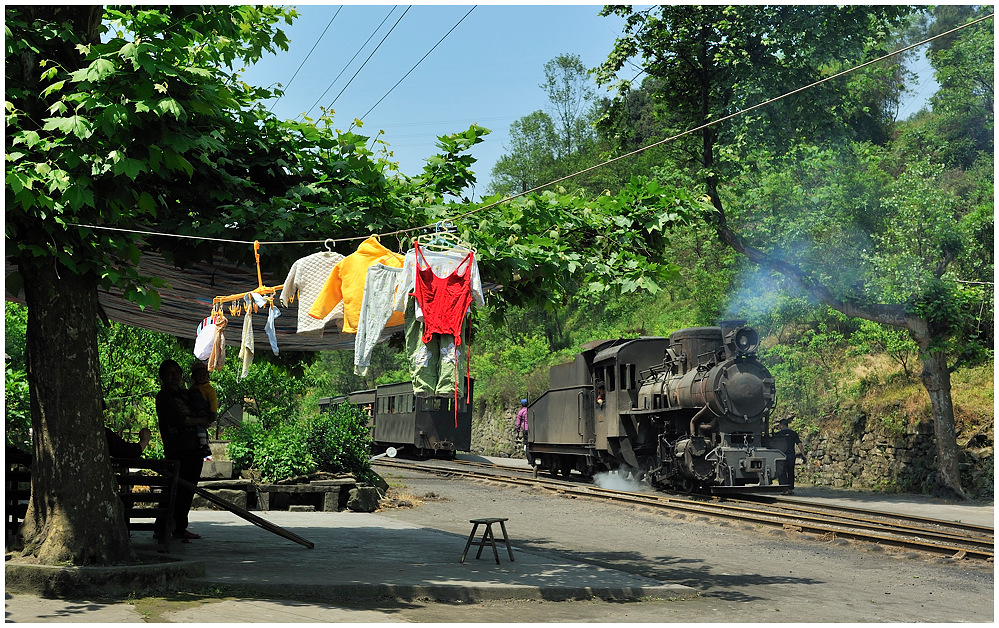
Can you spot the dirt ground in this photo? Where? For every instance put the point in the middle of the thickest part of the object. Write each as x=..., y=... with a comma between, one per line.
x=742, y=573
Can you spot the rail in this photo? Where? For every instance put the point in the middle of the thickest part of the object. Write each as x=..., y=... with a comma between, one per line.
x=935, y=536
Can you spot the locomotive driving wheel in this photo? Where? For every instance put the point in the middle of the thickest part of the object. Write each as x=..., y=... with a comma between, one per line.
x=566, y=465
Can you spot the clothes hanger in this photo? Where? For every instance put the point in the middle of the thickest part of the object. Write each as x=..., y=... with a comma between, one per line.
x=444, y=238
x=261, y=289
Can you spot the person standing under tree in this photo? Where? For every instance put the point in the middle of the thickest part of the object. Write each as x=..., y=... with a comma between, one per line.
x=788, y=442
x=178, y=428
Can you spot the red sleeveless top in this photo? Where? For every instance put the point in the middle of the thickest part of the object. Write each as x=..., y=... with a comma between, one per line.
x=444, y=300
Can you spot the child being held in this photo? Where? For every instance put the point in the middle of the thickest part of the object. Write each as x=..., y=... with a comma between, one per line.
x=204, y=402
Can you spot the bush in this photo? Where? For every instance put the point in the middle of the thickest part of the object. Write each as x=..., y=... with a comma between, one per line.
x=282, y=452
x=340, y=441
x=242, y=443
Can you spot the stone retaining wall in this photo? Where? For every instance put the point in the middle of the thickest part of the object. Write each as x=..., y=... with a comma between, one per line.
x=871, y=458
x=858, y=454
x=868, y=456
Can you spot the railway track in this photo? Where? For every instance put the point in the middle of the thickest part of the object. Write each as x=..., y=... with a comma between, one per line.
x=938, y=537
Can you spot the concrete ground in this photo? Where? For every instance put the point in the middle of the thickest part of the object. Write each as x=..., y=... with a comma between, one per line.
x=615, y=564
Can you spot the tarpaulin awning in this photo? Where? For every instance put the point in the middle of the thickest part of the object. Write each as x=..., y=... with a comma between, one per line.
x=188, y=300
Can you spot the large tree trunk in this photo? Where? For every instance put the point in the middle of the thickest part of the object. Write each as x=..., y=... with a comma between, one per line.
x=935, y=376
x=936, y=380
x=74, y=515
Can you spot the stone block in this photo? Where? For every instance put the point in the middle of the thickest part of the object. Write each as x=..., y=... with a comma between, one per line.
x=331, y=499
x=363, y=499
x=216, y=469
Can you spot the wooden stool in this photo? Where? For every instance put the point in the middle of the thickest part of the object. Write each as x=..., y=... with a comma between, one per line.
x=487, y=538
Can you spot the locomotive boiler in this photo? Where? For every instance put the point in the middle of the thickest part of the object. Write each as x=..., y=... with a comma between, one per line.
x=689, y=412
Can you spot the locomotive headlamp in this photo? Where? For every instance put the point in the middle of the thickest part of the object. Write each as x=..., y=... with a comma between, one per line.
x=746, y=340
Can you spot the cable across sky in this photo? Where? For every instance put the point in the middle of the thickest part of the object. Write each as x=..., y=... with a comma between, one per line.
x=580, y=172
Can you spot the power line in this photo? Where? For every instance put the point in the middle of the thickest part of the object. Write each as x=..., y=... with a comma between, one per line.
x=347, y=65
x=323, y=34
x=366, y=60
x=371, y=55
x=570, y=176
x=417, y=63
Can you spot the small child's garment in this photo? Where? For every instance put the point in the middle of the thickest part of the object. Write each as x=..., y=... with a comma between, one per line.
x=306, y=277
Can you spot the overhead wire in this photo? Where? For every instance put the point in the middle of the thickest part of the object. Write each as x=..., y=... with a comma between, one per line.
x=722, y=119
x=369, y=56
x=321, y=35
x=416, y=64
x=570, y=176
x=347, y=65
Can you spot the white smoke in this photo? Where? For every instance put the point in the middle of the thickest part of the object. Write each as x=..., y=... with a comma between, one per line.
x=615, y=481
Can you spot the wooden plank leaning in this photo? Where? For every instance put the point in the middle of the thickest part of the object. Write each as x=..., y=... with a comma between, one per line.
x=246, y=514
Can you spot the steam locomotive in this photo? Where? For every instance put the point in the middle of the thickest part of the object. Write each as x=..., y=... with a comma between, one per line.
x=688, y=413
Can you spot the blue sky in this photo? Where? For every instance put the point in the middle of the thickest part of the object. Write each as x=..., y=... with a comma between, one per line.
x=486, y=71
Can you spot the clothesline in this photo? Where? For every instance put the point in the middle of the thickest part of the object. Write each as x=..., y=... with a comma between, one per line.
x=326, y=241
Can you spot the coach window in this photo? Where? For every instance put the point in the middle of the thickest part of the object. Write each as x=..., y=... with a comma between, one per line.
x=627, y=376
x=609, y=379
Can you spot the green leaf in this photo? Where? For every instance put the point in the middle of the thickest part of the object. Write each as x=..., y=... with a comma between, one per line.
x=129, y=167
x=147, y=204
x=17, y=181
x=77, y=196
x=77, y=125
x=100, y=69
x=170, y=105
x=54, y=87
x=130, y=52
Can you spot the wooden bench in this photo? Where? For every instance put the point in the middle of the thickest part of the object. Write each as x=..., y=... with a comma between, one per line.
x=487, y=537
x=156, y=500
